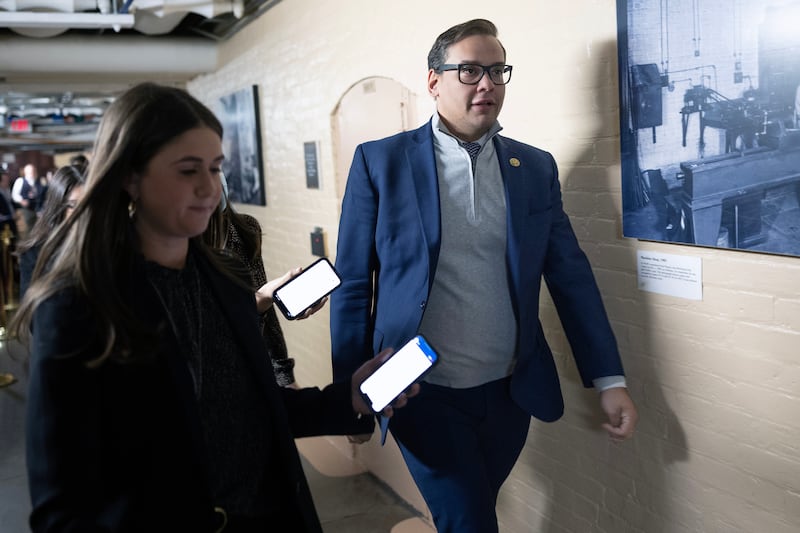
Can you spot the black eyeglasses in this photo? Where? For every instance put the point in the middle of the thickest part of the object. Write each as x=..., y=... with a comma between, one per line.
x=471, y=74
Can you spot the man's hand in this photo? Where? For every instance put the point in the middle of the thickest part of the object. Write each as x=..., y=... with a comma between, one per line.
x=621, y=412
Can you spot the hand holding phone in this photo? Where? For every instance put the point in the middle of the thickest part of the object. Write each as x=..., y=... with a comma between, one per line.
x=304, y=291
x=403, y=368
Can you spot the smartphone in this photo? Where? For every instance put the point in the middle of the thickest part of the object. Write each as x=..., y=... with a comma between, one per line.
x=302, y=292
x=400, y=371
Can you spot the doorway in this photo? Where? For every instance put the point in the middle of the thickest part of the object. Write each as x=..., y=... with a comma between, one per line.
x=370, y=109
x=374, y=108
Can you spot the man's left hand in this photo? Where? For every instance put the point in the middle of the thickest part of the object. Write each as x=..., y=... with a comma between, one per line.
x=621, y=413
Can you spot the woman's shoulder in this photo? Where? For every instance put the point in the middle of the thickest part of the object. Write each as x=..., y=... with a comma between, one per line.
x=68, y=304
x=251, y=222
x=241, y=222
x=63, y=319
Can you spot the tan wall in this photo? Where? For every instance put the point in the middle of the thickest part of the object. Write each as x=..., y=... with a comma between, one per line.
x=716, y=381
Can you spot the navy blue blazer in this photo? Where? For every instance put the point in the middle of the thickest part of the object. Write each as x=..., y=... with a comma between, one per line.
x=391, y=226
x=120, y=448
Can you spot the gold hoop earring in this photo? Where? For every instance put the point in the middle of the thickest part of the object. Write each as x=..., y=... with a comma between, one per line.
x=131, y=209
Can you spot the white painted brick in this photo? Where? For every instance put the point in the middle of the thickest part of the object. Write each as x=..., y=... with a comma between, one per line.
x=787, y=313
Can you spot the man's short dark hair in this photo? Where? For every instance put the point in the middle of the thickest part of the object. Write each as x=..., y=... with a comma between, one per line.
x=438, y=54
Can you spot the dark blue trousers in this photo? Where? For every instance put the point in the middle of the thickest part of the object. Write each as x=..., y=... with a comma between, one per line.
x=460, y=445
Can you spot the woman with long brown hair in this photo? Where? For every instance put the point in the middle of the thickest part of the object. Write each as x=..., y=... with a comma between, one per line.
x=151, y=406
x=64, y=190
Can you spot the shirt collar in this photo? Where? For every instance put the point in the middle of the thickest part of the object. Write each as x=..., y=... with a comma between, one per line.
x=441, y=132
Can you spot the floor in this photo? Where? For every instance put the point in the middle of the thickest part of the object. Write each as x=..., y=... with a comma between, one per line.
x=347, y=497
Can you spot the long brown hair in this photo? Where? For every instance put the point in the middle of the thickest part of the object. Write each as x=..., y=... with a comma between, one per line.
x=216, y=235
x=94, y=249
x=55, y=206
x=223, y=223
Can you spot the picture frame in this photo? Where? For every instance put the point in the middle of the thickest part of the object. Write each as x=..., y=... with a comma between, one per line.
x=710, y=122
x=243, y=166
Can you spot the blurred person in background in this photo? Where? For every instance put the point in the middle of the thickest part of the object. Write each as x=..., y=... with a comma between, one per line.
x=26, y=193
x=7, y=209
x=63, y=194
x=80, y=162
x=240, y=235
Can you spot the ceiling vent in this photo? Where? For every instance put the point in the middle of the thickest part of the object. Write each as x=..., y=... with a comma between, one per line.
x=48, y=18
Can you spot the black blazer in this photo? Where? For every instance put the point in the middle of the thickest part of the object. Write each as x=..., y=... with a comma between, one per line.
x=119, y=448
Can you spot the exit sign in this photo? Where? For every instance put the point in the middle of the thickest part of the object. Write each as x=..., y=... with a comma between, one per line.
x=20, y=125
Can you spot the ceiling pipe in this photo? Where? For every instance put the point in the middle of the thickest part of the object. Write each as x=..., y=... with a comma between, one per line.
x=53, y=19
x=206, y=8
x=48, y=18
x=50, y=5
x=156, y=57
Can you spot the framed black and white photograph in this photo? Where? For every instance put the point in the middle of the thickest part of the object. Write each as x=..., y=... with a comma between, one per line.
x=243, y=167
x=710, y=122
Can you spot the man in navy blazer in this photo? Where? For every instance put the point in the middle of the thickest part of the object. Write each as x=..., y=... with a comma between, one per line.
x=448, y=231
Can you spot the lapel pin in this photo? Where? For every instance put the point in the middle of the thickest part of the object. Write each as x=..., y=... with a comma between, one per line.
x=514, y=162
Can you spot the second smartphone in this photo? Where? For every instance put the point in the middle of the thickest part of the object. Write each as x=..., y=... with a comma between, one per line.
x=302, y=292
x=400, y=371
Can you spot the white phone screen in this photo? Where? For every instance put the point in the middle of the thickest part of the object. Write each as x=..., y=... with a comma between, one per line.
x=401, y=370
x=312, y=284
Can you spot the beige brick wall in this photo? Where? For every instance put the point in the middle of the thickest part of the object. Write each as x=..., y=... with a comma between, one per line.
x=716, y=381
